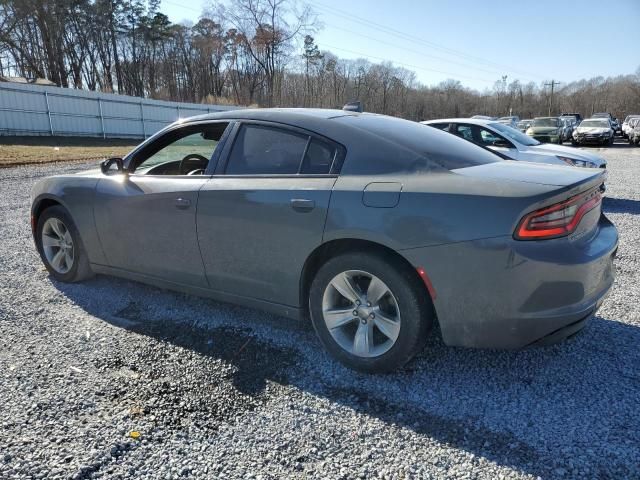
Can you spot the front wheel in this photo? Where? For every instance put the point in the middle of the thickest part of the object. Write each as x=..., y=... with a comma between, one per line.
x=60, y=246
x=369, y=312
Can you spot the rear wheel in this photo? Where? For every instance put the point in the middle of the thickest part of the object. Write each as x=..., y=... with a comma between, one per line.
x=60, y=246
x=368, y=312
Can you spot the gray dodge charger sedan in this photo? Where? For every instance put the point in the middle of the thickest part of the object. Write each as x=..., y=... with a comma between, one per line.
x=373, y=227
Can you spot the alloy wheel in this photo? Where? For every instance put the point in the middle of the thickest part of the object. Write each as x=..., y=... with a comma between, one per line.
x=57, y=245
x=361, y=313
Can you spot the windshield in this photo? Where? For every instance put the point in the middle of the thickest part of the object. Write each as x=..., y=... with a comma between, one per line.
x=544, y=122
x=514, y=134
x=595, y=124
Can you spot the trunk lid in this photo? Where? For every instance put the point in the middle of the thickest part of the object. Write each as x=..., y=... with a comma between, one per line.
x=541, y=174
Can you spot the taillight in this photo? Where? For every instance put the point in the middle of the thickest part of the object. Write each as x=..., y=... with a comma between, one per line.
x=557, y=220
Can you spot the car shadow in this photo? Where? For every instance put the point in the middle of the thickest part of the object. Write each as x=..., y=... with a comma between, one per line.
x=551, y=395
x=621, y=205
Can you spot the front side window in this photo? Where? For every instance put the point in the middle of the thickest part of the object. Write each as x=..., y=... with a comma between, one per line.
x=488, y=138
x=183, y=151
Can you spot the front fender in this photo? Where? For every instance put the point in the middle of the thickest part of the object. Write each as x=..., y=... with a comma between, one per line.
x=76, y=193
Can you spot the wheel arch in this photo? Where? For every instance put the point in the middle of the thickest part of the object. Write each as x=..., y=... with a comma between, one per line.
x=39, y=205
x=332, y=248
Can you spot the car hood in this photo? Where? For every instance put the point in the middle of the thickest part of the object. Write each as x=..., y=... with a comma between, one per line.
x=592, y=130
x=568, y=152
x=543, y=129
x=537, y=173
x=90, y=173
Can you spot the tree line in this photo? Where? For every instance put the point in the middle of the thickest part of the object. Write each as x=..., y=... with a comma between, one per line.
x=254, y=52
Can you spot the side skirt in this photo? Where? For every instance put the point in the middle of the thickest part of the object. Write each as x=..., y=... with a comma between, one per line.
x=275, y=308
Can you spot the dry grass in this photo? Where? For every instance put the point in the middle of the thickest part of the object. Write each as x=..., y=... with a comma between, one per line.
x=26, y=151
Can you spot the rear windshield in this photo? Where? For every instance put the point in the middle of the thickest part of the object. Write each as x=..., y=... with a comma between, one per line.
x=430, y=146
x=544, y=122
x=595, y=123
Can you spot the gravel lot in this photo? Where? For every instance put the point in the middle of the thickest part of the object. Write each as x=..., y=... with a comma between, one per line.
x=224, y=392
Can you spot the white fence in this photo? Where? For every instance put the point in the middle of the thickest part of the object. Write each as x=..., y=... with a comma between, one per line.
x=39, y=110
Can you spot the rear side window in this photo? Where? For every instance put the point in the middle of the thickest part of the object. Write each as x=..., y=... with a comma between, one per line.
x=261, y=150
x=318, y=158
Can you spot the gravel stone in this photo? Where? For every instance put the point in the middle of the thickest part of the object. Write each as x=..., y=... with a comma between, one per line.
x=220, y=391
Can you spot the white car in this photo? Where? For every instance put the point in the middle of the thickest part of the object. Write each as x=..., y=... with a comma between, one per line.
x=513, y=144
x=594, y=131
x=628, y=124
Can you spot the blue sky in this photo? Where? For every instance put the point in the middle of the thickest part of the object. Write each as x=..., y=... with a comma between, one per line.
x=477, y=42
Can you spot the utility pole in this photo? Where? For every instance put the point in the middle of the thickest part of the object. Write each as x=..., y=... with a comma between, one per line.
x=552, y=85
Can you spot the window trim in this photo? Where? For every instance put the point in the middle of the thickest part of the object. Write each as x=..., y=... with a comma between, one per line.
x=160, y=135
x=223, y=161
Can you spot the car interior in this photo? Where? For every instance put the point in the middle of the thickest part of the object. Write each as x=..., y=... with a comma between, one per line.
x=184, y=151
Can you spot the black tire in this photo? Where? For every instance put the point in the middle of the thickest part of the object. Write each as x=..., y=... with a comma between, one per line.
x=414, y=306
x=611, y=140
x=80, y=268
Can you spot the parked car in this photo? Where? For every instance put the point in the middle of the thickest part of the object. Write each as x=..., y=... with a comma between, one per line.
x=634, y=133
x=616, y=127
x=594, y=131
x=625, y=125
x=603, y=115
x=577, y=116
x=523, y=125
x=567, y=128
x=547, y=129
x=375, y=227
x=514, y=145
x=484, y=117
x=511, y=121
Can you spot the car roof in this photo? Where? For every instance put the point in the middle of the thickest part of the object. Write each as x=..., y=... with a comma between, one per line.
x=371, y=139
x=282, y=114
x=475, y=121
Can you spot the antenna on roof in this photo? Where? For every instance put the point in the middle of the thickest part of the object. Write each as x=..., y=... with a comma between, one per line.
x=353, y=107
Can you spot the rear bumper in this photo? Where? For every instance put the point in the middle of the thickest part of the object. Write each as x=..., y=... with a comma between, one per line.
x=503, y=293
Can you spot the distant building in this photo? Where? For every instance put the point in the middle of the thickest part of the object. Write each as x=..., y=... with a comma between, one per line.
x=31, y=81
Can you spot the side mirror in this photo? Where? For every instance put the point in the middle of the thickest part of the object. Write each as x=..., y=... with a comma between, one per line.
x=501, y=143
x=106, y=166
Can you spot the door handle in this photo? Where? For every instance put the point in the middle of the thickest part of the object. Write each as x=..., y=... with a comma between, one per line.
x=182, y=203
x=302, y=204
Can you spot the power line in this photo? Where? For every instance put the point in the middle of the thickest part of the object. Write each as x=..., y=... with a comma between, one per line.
x=492, y=72
x=389, y=30
x=416, y=67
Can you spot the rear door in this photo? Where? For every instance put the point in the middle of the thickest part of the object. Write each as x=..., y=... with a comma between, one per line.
x=263, y=212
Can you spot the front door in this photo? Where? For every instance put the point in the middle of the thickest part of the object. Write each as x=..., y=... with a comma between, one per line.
x=146, y=220
x=263, y=213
